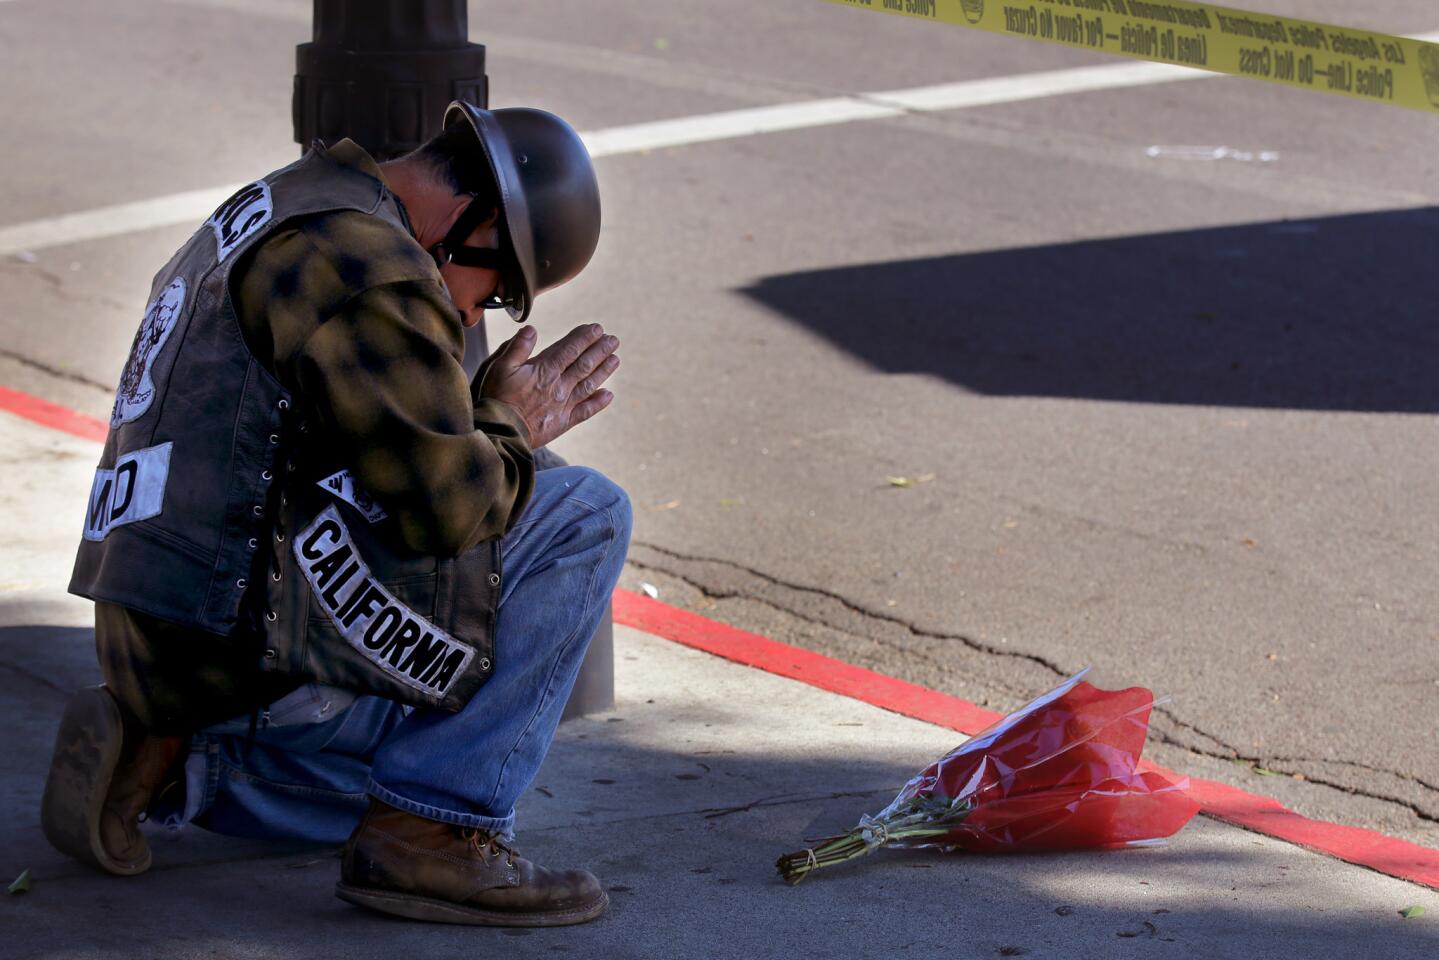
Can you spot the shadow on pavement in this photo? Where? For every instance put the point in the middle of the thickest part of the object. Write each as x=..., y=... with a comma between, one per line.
x=1333, y=313
x=685, y=841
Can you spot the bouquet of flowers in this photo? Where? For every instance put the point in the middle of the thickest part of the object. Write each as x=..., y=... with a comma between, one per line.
x=1059, y=774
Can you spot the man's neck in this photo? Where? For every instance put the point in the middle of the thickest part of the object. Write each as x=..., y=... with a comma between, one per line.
x=429, y=216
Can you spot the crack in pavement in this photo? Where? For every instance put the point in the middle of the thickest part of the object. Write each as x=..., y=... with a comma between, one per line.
x=1225, y=751
x=58, y=282
x=802, y=617
x=1309, y=777
x=54, y=371
x=784, y=799
x=845, y=602
x=1420, y=781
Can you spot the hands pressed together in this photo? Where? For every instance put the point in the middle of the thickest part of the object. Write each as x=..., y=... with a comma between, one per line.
x=560, y=386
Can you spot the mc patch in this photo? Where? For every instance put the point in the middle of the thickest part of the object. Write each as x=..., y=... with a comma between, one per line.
x=137, y=389
x=247, y=211
x=344, y=485
x=133, y=489
x=389, y=634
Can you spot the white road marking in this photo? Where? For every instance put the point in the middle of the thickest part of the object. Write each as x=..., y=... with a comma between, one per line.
x=733, y=123
x=191, y=207
x=889, y=103
x=195, y=205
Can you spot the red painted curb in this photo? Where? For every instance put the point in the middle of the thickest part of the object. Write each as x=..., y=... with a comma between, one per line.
x=52, y=415
x=1396, y=858
x=752, y=650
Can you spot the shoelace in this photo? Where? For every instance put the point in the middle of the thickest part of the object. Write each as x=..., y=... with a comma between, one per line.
x=483, y=840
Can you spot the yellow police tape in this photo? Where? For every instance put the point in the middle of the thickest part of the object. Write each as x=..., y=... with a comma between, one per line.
x=1298, y=53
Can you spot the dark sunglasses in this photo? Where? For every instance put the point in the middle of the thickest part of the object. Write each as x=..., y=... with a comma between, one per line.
x=452, y=249
x=487, y=258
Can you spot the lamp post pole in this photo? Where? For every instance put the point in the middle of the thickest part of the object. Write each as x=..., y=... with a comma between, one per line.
x=381, y=72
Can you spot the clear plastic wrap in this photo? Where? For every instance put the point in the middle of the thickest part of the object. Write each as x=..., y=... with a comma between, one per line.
x=1059, y=774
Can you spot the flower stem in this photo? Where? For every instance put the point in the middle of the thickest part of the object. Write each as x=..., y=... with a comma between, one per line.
x=869, y=835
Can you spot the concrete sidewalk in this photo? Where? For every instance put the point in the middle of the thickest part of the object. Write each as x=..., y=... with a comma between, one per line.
x=680, y=799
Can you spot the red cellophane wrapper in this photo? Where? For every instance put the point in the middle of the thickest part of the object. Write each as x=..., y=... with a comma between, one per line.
x=1058, y=774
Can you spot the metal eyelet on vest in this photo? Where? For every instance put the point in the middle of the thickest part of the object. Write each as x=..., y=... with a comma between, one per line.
x=270, y=654
x=494, y=579
x=266, y=476
x=274, y=438
x=242, y=583
x=253, y=543
x=279, y=537
x=284, y=404
x=484, y=663
x=272, y=616
x=275, y=576
x=258, y=510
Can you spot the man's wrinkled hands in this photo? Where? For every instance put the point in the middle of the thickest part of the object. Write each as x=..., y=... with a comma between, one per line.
x=559, y=387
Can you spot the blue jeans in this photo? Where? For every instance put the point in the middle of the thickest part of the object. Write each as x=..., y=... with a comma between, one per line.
x=310, y=780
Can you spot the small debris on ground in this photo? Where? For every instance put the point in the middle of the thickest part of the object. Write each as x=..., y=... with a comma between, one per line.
x=910, y=481
x=1408, y=913
x=650, y=590
x=22, y=883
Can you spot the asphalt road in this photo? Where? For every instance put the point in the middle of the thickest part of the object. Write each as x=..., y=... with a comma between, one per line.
x=1169, y=418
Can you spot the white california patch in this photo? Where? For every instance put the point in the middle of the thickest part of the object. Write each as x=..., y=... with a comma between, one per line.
x=347, y=488
x=389, y=634
x=133, y=489
x=137, y=389
x=249, y=209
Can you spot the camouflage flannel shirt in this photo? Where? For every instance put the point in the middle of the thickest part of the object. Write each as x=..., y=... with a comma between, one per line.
x=354, y=320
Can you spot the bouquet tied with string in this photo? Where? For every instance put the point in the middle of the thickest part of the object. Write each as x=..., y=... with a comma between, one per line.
x=1060, y=774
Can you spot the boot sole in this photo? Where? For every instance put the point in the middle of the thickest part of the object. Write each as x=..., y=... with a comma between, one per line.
x=87, y=750
x=416, y=907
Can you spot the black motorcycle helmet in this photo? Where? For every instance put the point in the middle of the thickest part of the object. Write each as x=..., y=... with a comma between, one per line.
x=548, y=195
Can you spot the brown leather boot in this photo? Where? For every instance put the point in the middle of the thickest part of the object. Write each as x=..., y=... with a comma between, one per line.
x=398, y=863
x=102, y=776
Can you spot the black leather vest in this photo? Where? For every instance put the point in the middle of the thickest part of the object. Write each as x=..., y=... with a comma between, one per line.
x=186, y=509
